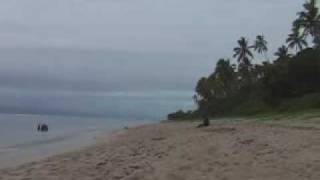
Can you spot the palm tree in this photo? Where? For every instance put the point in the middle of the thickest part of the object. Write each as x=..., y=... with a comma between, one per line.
x=282, y=53
x=242, y=52
x=260, y=45
x=225, y=76
x=316, y=39
x=309, y=19
x=296, y=40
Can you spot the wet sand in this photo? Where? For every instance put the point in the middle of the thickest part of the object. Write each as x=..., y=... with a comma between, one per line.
x=178, y=151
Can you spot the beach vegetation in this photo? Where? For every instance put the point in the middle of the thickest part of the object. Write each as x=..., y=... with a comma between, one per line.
x=289, y=82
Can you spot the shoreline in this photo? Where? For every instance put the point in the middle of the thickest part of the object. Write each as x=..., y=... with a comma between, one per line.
x=13, y=157
x=178, y=150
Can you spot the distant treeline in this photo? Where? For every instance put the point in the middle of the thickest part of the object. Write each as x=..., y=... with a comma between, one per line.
x=246, y=88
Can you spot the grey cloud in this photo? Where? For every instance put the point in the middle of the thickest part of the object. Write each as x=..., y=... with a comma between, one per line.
x=61, y=56
x=144, y=25
x=67, y=69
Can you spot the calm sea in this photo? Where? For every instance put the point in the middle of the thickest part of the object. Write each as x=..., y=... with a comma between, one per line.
x=20, y=142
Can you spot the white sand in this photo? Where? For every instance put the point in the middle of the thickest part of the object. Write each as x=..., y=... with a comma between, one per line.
x=179, y=151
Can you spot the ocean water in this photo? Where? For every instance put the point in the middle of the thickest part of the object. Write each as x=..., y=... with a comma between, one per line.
x=20, y=142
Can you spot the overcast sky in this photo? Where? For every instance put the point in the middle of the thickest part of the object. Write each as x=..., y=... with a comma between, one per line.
x=123, y=45
x=179, y=26
x=184, y=38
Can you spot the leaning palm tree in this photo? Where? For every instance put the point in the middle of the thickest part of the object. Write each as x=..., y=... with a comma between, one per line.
x=309, y=19
x=296, y=40
x=260, y=45
x=243, y=52
x=282, y=53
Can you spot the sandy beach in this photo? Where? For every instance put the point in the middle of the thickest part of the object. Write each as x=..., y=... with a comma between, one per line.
x=179, y=151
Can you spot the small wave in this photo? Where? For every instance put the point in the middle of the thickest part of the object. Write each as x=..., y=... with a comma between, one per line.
x=7, y=149
x=51, y=140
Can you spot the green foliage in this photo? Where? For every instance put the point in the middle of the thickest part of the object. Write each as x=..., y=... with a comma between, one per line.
x=251, y=107
x=296, y=40
x=282, y=53
x=306, y=102
x=289, y=83
x=260, y=44
x=308, y=21
x=181, y=115
x=243, y=52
